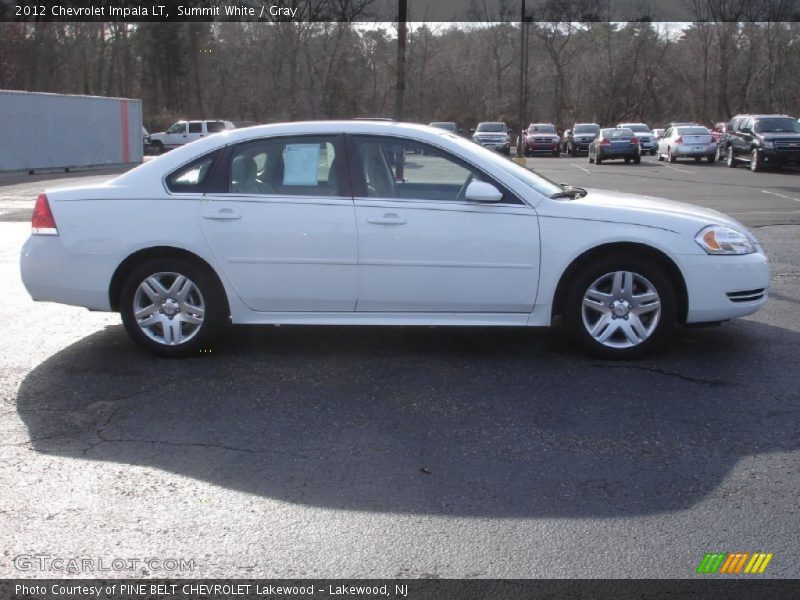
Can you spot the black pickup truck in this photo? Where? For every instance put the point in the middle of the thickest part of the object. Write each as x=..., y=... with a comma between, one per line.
x=761, y=141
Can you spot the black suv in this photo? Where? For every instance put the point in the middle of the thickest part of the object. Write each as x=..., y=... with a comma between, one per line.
x=577, y=139
x=761, y=141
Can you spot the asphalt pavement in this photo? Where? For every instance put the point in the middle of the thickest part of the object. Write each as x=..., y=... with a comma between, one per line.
x=412, y=451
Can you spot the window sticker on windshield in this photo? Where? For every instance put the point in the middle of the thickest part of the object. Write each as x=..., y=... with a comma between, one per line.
x=300, y=164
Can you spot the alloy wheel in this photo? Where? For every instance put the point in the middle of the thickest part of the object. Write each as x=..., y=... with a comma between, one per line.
x=169, y=308
x=621, y=309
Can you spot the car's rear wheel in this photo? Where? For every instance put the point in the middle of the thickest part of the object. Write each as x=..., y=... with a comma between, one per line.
x=620, y=307
x=637, y=160
x=652, y=152
x=718, y=153
x=671, y=157
x=711, y=157
x=171, y=307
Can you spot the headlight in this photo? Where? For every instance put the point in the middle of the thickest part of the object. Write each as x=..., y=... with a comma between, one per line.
x=719, y=239
x=769, y=144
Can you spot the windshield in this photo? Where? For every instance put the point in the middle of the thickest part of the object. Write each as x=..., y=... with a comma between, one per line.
x=638, y=128
x=586, y=128
x=541, y=184
x=693, y=131
x=542, y=129
x=445, y=125
x=777, y=124
x=491, y=127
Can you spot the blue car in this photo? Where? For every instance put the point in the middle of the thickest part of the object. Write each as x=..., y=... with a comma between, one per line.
x=615, y=143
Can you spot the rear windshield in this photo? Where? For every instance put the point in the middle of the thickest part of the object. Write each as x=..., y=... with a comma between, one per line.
x=445, y=125
x=542, y=128
x=617, y=133
x=693, y=131
x=638, y=128
x=586, y=128
x=492, y=127
x=777, y=124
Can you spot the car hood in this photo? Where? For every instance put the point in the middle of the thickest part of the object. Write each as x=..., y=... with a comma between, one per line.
x=619, y=207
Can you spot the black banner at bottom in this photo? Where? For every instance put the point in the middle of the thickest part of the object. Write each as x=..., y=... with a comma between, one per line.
x=396, y=589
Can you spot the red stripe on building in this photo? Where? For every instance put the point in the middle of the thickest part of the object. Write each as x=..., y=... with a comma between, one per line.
x=126, y=151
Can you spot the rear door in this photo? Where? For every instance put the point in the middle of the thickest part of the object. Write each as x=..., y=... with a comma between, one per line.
x=424, y=248
x=282, y=226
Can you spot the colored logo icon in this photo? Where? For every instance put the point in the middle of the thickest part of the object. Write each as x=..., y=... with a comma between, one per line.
x=734, y=563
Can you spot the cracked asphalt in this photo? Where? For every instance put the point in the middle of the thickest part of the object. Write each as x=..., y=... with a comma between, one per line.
x=409, y=452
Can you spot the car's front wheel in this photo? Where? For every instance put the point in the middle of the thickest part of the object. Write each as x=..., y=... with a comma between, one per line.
x=620, y=307
x=172, y=307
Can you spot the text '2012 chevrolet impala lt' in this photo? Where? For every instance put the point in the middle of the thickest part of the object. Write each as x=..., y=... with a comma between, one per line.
x=380, y=223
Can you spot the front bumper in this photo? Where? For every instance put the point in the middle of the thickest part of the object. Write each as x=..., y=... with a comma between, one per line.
x=781, y=156
x=724, y=287
x=493, y=145
x=542, y=147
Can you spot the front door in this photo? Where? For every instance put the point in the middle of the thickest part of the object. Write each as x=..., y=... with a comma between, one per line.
x=424, y=248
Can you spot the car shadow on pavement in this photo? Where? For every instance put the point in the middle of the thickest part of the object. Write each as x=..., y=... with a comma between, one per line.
x=486, y=422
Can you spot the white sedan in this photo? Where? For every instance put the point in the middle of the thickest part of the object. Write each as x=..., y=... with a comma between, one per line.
x=380, y=223
x=688, y=141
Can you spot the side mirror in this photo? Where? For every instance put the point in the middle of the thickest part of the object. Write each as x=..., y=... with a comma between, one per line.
x=480, y=191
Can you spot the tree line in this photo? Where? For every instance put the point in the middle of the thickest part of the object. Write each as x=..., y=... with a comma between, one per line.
x=464, y=72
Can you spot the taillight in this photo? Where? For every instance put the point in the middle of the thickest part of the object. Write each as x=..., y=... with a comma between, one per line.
x=634, y=140
x=43, y=222
x=679, y=140
x=605, y=142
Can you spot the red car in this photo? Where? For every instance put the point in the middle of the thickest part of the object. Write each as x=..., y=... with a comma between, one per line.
x=542, y=137
x=718, y=131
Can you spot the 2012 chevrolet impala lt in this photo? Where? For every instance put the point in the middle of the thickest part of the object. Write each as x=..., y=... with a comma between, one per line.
x=380, y=223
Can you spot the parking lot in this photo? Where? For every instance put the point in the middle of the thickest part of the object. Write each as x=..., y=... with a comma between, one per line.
x=410, y=452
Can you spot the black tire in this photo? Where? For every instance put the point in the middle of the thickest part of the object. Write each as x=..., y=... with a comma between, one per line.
x=637, y=160
x=711, y=158
x=756, y=162
x=697, y=159
x=212, y=295
x=730, y=159
x=158, y=148
x=652, y=152
x=572, y=309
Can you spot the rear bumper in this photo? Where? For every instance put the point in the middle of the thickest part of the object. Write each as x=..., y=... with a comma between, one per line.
x=694, y=149
x=623, y=152
x=51, y=274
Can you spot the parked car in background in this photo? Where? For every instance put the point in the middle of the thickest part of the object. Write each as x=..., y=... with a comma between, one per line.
x=683, y=124
x=718, y=131
x=446, y=125
x=577, y=139
x=658, y=133
x=689, y=141
x=183, y=132
x=614, y=144
x=647, y=141
x=463, y=238
x=761, y=141
x=145, y=141
x=542, y=137
x=493, y=135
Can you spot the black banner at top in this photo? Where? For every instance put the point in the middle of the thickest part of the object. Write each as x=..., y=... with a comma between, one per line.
x=387, y=10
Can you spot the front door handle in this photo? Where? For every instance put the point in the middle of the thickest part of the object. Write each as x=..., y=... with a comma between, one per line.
x=387, y=219
x=223, y=214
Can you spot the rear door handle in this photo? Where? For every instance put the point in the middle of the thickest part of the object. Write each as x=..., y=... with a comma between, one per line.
x=223, y=214
x=387, y=219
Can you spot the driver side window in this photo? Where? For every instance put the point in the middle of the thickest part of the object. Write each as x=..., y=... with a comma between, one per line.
x=395, y=168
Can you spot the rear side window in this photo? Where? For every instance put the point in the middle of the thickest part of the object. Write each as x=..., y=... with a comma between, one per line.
x=297, y=166
x=192, y=178
x=215, y=126
x=195, y=127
